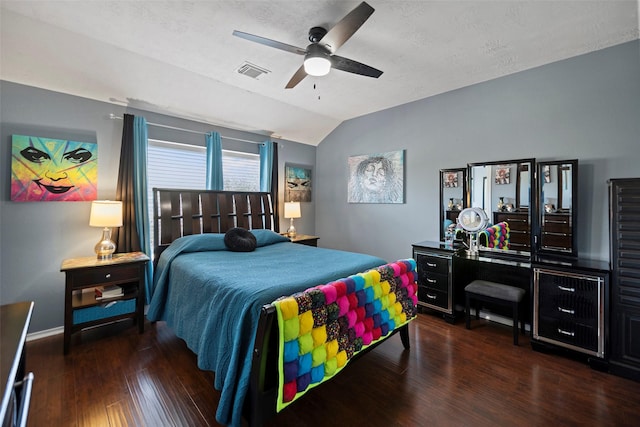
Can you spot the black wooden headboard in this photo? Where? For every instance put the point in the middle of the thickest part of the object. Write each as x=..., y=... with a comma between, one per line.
x=180, y=213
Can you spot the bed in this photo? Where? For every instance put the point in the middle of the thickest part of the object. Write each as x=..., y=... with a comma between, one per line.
x=225, y=304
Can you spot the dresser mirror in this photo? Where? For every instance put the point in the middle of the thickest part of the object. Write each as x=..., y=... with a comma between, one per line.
x=503, y=189
x=557, y=198
x=453, y=188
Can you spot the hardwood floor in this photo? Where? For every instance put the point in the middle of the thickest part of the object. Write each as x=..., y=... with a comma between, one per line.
x=451, y=377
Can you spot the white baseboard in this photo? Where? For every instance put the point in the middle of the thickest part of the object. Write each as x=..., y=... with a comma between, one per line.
x=44, y=334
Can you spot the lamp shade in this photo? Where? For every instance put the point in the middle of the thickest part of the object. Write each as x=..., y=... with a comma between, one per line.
x=292, y=210
x=106, y=213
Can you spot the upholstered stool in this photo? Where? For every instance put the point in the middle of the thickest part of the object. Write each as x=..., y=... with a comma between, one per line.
x=497, y=293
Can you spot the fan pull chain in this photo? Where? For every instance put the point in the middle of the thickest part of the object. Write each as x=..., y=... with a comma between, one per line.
x=314, y=88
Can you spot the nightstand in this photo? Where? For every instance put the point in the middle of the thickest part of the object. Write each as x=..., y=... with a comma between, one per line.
x=305, y=239
x=81, y=307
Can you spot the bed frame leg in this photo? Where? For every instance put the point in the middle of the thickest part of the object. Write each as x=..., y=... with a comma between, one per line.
x=404, y=336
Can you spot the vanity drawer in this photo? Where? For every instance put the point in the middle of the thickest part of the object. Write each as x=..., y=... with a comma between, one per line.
x=433, y=297
x=435, y=281
x=432, y=264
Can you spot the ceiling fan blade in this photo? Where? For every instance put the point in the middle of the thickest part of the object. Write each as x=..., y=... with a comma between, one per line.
x=351, y=66
x=344, y=29
x=270, y=43
x=297, y=78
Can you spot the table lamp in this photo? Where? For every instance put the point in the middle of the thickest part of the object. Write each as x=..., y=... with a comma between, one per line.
x=106, y=214
x=292, y=210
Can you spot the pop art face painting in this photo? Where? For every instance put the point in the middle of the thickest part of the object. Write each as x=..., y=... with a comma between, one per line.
x=45, y=169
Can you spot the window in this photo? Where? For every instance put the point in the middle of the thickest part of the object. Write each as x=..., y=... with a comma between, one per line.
x=240, y=171
x=177, y=165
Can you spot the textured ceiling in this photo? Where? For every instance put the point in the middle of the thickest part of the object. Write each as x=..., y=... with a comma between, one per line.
x=180, y=58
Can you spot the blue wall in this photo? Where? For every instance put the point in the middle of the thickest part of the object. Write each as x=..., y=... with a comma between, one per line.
x=586, y=107
x=36, y=236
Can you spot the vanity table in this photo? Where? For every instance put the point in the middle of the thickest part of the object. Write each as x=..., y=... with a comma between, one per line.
x=566, y=298
x=444, y=270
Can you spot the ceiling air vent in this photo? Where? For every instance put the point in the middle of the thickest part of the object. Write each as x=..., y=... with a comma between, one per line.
x=252, y=70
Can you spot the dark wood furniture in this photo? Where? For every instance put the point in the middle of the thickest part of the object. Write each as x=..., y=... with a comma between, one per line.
x=185, y=212
x=434, y=265
x=556, y=232
x=445, y=270
x=81, y=308
x=305, y=239
x=624, y=201
x=547, y=308
x=16, y=391
x=519, y=229
x=571, y=308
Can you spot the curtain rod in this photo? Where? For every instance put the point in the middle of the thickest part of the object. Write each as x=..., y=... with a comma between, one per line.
x=115, y=117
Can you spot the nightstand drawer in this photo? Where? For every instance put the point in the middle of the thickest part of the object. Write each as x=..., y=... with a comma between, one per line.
x=109, y=274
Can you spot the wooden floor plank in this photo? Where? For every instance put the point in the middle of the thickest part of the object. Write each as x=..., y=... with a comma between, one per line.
x=451, y=376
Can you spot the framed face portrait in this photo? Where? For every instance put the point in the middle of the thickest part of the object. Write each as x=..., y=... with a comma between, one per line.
x=502, y=175
x=376, y=178
x=297, y=184
x=450, y=179
x=47, y=169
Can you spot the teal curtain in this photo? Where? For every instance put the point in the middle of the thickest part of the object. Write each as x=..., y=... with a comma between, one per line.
x=134, y=235
x=214, y=161
x=141, y=201
x=266, y=165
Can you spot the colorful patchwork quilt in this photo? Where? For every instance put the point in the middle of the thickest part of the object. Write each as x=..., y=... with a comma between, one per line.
x=322, y=328
x=496, y=236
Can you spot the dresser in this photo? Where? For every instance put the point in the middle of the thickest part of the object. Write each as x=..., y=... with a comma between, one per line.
x=519, y=229
x=624, y=205
x=571, y=307
x=556, y=231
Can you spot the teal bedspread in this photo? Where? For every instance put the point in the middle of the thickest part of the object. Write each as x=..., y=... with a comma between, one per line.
x=211, y=298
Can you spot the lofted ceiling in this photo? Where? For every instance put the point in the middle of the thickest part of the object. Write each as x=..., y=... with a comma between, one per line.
x=180, y=58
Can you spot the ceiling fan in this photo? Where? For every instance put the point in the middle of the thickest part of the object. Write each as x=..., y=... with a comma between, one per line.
x=319, y=56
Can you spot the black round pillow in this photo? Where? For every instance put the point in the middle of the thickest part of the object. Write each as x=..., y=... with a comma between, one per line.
x=240, y=240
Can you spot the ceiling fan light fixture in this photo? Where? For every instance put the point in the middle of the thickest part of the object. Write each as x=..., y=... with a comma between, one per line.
x=316, y=61
x=317, y=65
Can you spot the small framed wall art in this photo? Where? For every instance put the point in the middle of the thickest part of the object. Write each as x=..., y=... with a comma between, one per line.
x=297, y=184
